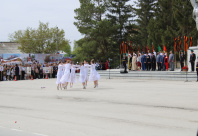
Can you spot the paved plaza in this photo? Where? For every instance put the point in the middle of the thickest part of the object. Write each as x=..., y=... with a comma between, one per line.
x=119, y=107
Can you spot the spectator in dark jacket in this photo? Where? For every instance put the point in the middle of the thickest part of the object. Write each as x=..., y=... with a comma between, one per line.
x=192, y=60
x=153, y=62
x=182, y=59
x=162, y=61
x=148, y=62
x=17, y=72
x=143, y=61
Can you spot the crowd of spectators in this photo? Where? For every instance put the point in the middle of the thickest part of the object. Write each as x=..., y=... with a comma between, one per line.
x=27, y=71
x=35, y=70
x=159, y=61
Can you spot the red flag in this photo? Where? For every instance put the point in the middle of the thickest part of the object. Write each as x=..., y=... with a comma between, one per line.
x=134, y=48
x=120, y=48
x=143, y=49
x=179, y=43
x=152, y=48
x=127, y=47
x=131, y=49
x=175, y=44
x=190, y=41
x=138, y=48
x=165, y=48
x=147, y=48
x=186, y=43
x=123, y=48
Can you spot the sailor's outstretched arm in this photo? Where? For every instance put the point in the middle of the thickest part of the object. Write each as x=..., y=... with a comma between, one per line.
x=87, y=66
x=76, y=66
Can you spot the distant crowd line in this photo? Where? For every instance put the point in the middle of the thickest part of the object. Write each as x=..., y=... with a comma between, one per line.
x=35, y=70
x=159, y=61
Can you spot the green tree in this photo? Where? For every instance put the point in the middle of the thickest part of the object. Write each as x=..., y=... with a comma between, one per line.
x=121, y=16
x=96, y=29
x=145, y=12
x=182, y=11
x=162, y=28
x=41, y=40
x=171, y=19
x=101, y=32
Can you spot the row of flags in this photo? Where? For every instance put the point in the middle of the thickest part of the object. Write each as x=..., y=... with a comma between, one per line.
x=128, y=48
x=178, y=42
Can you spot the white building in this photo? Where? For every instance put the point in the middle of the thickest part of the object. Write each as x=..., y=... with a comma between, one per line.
x=9, y=47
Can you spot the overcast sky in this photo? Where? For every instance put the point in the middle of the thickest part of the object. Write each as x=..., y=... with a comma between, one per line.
x=20, y=14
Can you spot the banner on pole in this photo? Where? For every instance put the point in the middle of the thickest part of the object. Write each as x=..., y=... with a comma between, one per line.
x=46, y=70
x=28, y=71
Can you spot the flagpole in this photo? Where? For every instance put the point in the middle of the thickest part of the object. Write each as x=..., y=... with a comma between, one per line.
x=120, y=60
x=185, y=49
x=180, y=56
x=175, y=53
x=121, y=54
x=128, y=61
x=175, y=60
x=185, y=57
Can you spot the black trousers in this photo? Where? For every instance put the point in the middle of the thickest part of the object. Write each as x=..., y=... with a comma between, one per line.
x=163, y=67
x=124, y=67
x=159, y=66
x=32, y=74
x=197, y=75
x=153, y=66
x=23, y=75
x=148, y=66
x=37, y=75
x=182, y=65
x=54, y=74
x=193, y=66
x=41, y=76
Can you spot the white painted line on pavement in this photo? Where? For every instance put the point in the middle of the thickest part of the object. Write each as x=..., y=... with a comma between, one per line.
x=40, y=134
x=22, y=130
x=16, y=130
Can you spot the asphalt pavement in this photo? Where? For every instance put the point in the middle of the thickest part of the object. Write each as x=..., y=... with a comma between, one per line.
x=119, y=107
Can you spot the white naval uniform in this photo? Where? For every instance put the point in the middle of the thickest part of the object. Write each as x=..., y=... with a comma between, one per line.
x=66, y=76
x=60, y=73
x=93, y=74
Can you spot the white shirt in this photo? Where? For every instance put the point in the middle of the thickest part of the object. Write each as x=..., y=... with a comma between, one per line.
x=154, y=53
x=139, y=59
